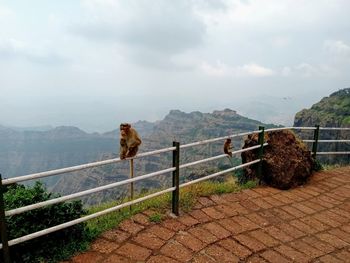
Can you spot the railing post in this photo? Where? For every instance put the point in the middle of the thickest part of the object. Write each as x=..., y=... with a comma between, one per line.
x=261, y=151
x=3, y=227
x=176, y=178
x=131, y=197
x=314, y=144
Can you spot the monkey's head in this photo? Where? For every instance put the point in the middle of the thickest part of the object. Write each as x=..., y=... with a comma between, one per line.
x=124, y=128
x=228, y=140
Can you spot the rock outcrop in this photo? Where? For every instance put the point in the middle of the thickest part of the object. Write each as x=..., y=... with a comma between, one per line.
x=286, y=161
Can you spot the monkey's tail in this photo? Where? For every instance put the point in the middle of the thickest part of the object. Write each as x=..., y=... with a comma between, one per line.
x=230, y=159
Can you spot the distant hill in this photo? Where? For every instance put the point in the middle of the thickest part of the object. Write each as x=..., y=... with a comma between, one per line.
x=332, y=111
x=177, y=125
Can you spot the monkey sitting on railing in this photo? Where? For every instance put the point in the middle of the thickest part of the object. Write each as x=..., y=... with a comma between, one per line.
x=129, y=141
x=228, y=149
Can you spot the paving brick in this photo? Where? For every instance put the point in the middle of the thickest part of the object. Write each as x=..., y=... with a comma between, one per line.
x=134, y=252
x=141, y=219
x=318, y=244
x=104, y=246
x=261, y=203
x=159, y=259
x=242, y=196
x=250, y=242
x=220, y=254
x=234, y=247
x=270, y=216
x=189, y=241
x=245, y=223
x=322, y=203
x=283, y=215
x=88, y=257
x=213, y=213
x=346, y=228
x=148, y=240
x=161, y=232
x=249, y=205
x=217, y=230
x=238, y=208
x=330, y=200
x=341, y=213
x=332, y=240
x=256, y=259
x=272, y=201
x=251, y=193
x=307, y=249
x=336, y=217
x=205, y=201
x=303, y=208
x=302, y=194
x=202, y=258
x=188, y=220
x=329, y=259
x=203, y=234
x=130, y=226
x=177, y=251
x=264, y=238
x=343, y=255
x=218, y=199
x=262, y=191
x=227, y=210
x=313, y=205
x=274, y=257
x=115, y=258
x=261, y=221
x=278, y=234
x=200, y=216
x=282, y=198
x=292, y=196
x=340, y=234
x=312, y=222
x=293, y=254
x=117, y=236
x=173, y=225
x=303, y=227
x=293, y=211
x=231, y=226
x=310, y=192
x=322, y=217
x=290, y=230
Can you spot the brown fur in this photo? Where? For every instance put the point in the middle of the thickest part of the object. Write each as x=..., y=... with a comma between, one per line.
x=129, y=141
x=228, y=147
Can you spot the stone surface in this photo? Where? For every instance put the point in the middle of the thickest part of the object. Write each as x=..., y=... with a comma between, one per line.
x=286, y=163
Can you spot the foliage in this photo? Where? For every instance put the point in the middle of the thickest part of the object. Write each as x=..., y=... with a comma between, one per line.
x=51, y=247
x=156, y=218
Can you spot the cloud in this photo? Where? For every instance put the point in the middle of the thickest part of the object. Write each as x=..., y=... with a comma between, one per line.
x=247, y=70
x=149, y=32
x=337, y=47
x=15, y=49
x=169, y=27
x=307, y=70
x=5, y=12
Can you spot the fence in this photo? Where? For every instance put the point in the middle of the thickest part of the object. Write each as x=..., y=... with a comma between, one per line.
x=175, y=189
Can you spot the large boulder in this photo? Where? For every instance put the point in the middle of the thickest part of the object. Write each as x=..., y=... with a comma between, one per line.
x=286, y=161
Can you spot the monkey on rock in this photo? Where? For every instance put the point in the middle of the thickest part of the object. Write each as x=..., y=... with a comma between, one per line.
x=129, y=141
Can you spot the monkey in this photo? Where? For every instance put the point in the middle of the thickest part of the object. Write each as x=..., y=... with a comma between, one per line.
x=129, y=141
x=228, y=147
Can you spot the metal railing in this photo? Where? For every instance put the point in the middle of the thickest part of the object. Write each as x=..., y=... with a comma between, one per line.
x=175, y=189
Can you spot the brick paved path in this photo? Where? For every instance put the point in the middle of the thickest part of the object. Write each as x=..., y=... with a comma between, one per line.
x=307, y=224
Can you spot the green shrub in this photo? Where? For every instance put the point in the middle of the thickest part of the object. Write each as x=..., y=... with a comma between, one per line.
x=51, y=247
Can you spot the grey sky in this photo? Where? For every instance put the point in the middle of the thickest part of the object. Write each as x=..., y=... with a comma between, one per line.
x=95, y=63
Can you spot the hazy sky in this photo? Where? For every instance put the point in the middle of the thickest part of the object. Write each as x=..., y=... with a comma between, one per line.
x=95, y=63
